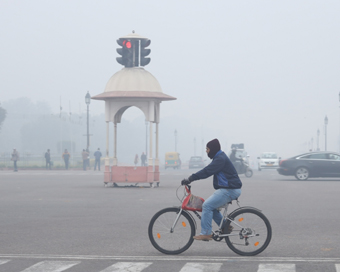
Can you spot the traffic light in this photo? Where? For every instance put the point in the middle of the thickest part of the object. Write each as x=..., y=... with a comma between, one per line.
x=126, y=52
x=133, y=51
x=144, y=52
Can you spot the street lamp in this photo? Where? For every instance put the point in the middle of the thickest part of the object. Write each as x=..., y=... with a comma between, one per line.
x=195, y=146
x=318, y=134
x=312, y=140
x=88, y=101
x=175, y=140
x=326, y=123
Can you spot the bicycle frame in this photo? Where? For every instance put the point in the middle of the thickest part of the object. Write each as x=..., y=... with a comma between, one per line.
x=172, y=230
x=217, y=233
x=176, y=220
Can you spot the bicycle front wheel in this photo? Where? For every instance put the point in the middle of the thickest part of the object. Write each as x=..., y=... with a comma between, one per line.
x=251, y=232
x=168, y=239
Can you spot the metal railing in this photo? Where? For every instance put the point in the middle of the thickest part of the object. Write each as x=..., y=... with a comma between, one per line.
x=29, y=160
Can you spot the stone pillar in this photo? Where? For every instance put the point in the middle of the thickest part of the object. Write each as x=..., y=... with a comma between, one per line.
x=107, y=173
x=150, y=175
x=150, y=161
x=156, y=174
x=115, y=161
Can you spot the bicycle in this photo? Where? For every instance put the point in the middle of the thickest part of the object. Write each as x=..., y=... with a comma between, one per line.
x=246, y=230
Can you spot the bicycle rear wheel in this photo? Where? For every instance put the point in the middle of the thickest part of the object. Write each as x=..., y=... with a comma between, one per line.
x=251, y=232
x=168, y=240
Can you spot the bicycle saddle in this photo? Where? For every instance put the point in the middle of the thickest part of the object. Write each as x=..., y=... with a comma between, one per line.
x=225, y=205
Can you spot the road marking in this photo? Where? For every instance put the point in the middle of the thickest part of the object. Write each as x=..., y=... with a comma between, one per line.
x=201, y=267
x=174, y=258
x=126, y=267
x=276, y=268
x=337, y=267
x=50, y=266
x=59, y=266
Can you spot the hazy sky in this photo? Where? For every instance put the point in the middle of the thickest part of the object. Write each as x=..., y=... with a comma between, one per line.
x=265, y=73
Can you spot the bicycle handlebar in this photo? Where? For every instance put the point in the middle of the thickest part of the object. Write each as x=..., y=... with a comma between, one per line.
x=187, y=188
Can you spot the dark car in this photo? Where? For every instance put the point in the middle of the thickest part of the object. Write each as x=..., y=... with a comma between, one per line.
x=313, y=164
x=196, y=162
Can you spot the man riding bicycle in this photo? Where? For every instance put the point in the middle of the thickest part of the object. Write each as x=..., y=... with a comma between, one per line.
x=226, y=183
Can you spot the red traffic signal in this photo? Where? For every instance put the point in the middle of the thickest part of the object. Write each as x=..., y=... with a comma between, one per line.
x=128, y=44
x=133, y=52
x=126, y=53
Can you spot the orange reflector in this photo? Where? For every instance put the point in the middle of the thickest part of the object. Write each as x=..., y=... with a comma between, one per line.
x=159, y=236
x=240, y=220
x=183, y=224
x=256, y=244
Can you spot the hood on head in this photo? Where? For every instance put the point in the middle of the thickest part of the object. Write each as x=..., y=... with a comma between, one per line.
x=214, y=146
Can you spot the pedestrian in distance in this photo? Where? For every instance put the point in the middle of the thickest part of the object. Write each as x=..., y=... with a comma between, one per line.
x=97, y=156
x=66, y=157
x=85, y=156
x=15, y=158
x=48, y=159
x=143, y=159
x=227, y=185
x=136, y=160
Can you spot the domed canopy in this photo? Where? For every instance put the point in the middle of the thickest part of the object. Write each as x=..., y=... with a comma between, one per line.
x=133, y=82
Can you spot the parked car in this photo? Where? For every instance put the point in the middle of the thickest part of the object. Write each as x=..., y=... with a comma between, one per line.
x=268, y=160
x=313, y=164
x=196, y=162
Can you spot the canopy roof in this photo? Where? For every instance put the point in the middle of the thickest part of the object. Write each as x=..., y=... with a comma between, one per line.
x=133, y=82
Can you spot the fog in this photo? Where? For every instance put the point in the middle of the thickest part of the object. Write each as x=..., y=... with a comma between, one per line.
x=262, y=73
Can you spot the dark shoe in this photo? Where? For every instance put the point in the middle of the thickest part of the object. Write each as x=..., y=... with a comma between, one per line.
x=203, y=237
x=227, y=231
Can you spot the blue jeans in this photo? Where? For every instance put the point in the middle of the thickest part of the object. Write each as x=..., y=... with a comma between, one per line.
x=84, y=165
x=210, y=212
x=66, y=164
x=97, y=162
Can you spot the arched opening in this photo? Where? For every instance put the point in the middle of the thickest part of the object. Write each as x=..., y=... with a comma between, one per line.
x=134, y=89
x=132, y=136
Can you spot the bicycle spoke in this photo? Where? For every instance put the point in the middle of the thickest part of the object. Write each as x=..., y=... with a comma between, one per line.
x=166, y=239
x=253, y=237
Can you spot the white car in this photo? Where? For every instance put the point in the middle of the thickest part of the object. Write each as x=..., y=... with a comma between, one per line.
x=268, y=160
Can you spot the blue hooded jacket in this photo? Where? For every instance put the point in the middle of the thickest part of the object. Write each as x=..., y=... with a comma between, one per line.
x=225, y=174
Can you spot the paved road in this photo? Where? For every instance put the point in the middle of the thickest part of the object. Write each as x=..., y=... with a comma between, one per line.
x=167, y=264
x=68, y=221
